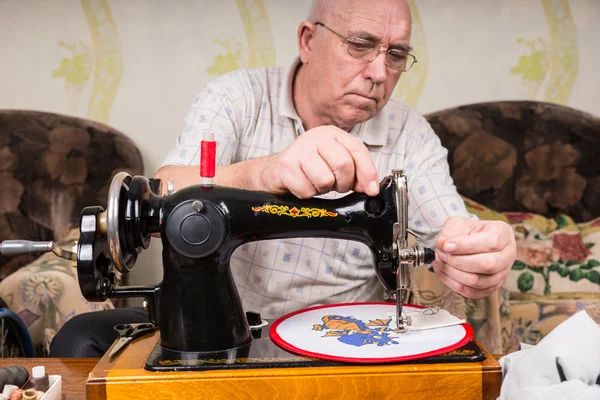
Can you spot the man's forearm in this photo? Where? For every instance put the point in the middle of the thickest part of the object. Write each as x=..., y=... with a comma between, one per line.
x=244, y=175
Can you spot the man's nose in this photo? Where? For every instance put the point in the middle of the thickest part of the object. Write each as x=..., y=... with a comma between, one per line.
x=376, y=70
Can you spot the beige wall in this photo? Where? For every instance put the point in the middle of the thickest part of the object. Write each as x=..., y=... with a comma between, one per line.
x=137, y=65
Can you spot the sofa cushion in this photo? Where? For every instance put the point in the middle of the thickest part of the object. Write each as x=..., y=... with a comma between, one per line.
x=531, y=320
x=555, y=256
x=46, y=294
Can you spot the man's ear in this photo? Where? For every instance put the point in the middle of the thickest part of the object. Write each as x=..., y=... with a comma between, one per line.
x=306, y=34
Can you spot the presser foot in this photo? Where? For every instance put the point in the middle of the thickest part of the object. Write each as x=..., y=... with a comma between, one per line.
x=402, y=320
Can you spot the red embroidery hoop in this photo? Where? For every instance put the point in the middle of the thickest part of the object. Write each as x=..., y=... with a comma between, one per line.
x=282, y=338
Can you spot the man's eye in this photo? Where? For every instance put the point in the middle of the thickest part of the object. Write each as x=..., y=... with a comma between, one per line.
x=362, y=46
x=397, y=56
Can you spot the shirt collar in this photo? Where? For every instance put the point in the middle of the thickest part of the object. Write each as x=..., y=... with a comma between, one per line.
x=286, y=102
x=372, y=133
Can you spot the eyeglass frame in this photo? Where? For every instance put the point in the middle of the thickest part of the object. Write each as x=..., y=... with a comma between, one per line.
x=350, y=41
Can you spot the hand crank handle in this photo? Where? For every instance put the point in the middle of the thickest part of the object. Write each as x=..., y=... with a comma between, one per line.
x=14, y=247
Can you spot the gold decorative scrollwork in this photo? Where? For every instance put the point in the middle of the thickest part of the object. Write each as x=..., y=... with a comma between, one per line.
x=459, y=352
x=294, y=212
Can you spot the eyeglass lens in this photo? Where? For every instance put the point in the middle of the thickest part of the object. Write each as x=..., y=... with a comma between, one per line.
x=365, y=50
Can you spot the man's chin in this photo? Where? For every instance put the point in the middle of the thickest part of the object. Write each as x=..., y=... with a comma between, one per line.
x=357, y=116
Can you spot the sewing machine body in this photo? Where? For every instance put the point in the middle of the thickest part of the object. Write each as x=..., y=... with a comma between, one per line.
x=197, y=306
x=198, y=292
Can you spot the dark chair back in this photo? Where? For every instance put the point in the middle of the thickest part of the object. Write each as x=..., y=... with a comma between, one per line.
x=524, y=156
x=51, y=167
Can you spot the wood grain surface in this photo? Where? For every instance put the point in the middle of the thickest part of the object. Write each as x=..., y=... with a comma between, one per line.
x=124, y=377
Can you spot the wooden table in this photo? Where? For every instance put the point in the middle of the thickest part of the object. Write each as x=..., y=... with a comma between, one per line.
x=124, y=377
x=74, y=372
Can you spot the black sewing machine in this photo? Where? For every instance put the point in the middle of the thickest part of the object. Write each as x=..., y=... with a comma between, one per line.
x=197, y=306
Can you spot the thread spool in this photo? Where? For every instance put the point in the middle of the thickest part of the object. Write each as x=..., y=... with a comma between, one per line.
x=39, y=379
x=29, y=394
x=15, y=375
x=208, y=148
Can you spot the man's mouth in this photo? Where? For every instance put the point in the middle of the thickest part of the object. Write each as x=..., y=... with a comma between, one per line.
x=365, y=97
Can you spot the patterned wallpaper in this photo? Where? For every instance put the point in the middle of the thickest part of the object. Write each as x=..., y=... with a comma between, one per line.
x=547, y=65
x=137, y=65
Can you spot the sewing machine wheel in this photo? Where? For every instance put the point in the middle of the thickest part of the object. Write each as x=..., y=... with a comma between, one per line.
x=117, y=196
x=111, y=239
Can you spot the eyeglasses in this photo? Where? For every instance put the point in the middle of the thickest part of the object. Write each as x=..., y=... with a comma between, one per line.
x=366, y=50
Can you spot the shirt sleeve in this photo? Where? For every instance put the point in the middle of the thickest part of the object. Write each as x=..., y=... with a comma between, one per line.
x=214, y=109
x=432, y=194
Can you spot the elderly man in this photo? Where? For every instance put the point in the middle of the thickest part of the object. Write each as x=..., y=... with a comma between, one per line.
x=322, y=127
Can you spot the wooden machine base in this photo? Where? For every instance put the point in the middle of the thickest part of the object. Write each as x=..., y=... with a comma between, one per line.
x=124, y=377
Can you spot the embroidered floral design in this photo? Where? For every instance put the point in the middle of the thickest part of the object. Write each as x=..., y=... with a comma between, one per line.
x=571, y=247
x=536, y=253
x=562, y=253
x=516, y=217
x=40, y=289
x=520, y=330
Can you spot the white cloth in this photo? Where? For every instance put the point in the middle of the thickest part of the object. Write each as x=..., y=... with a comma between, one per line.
x=425, y=319
x=420, y=320
x=563, y=365
x=252, y=114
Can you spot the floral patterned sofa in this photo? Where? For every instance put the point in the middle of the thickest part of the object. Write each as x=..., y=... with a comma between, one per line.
x=51, y=167
x=535, y=166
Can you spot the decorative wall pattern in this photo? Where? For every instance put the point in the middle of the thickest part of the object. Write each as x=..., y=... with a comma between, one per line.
x=260, y=47
x=137, y=65
x=411, y=84
x=555, y=63
x=105, y=61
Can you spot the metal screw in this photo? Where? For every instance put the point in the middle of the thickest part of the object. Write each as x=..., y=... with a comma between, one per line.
x=170, y=187
x=197, y=205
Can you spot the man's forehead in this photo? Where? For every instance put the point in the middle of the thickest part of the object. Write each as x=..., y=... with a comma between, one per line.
x=381, y=20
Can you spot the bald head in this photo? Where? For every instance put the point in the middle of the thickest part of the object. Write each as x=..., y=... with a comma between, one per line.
x=322, y=10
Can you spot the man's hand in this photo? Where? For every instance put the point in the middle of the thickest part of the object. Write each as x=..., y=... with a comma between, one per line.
x=474, y=257
x=323, y=159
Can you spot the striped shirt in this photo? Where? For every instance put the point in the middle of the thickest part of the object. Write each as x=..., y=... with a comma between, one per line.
x=252, y=114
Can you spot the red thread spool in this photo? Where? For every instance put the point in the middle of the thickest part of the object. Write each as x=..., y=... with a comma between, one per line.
x=208, y=160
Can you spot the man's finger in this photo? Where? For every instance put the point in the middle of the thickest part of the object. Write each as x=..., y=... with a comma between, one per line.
x=455, y=226
x=339, y=160
x=299, y=185
x=464, y=290
x=366, y=173
x=477, y=281
x=483, y=263
x=493, y=238
x=319, y=174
